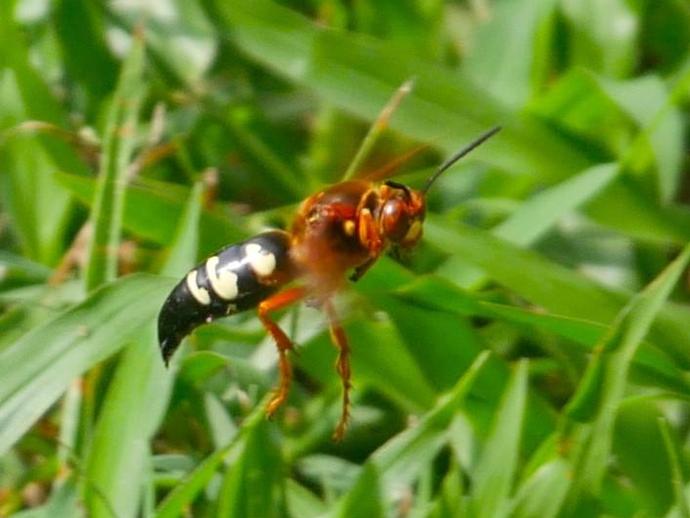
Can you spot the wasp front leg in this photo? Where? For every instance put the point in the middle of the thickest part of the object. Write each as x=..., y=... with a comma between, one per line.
x=342, y=365
x=370, y=237
x=275, y=303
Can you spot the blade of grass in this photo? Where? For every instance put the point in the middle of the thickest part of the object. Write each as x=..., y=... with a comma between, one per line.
x=537, y=215
x=494, y=474
x=450, y=501
x=301, y=502
x=153, y=210
x=358, y=74
x=174, y=504
x=543, y=282
x=40, y=215
x=39, y=367
x=543, y=494
x=252, y=485
x=437, y=294
x=400, y=460
x=376, y=129
x=678, y=480
x=601, y=389
x=136, y=399
x=82, y=38
x=364, y=499
x=118, y=144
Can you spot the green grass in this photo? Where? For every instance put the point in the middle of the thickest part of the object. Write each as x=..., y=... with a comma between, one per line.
x=530, y=358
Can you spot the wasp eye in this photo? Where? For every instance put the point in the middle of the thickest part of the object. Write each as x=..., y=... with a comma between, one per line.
x=395, y=220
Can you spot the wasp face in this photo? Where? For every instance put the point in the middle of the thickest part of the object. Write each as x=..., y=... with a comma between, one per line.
x=402, y=215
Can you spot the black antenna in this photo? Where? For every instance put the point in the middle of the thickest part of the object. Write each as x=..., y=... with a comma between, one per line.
x=457, y=156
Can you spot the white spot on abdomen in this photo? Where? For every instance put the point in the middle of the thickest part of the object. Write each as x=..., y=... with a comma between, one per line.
x=200, y=294
x=260, y=261
x=224, y=283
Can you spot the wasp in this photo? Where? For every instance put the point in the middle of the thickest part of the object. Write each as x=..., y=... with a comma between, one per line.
x=343, y=228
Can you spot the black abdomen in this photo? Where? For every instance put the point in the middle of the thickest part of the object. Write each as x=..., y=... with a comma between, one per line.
x=236, y=278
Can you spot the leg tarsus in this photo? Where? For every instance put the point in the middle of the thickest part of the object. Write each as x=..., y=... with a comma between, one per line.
x=284, y=344
x=342, y=367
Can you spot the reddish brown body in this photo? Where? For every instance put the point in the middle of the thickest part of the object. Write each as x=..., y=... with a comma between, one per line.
x=344, y=227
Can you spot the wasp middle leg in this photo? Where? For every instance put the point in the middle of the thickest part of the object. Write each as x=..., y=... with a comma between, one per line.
x=342, y=365
x=268, y=306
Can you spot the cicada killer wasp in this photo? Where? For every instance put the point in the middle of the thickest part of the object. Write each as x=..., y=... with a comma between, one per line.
x=342, y=228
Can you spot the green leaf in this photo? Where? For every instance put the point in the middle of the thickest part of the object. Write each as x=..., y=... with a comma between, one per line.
x=401, y=459
x=154, y=211
x=40, y=214
x=513, y=66
x=118, y=145
x=649, y=365
x=638, y=446
x=674, y=456
x=80, y=29
x=604, y=35
x=136, y=400
x=543, y=282
x=493, y=478
x=660, y=140
x=544, y=492
x=40, y=366
x=174, y=504
x=359, y=74
x=301, y=502
x=539, y=214
x=450, y=501
x=252, y=483
x=602, y=387
x=132, y=410
x=183, y=253
x=185, y=493
x=364, y=499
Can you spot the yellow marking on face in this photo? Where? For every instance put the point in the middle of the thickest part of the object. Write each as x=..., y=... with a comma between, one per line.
x=224, y=283
x=349, y=227
x=200, y=294
x=414, y=232
x=260, y=261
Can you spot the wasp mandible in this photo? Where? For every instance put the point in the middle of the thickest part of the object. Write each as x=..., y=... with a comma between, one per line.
x=343, y=228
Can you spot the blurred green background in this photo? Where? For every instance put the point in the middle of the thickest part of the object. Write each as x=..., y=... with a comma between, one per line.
x=529, y=359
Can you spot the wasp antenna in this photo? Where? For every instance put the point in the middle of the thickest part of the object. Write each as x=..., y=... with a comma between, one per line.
x=457, y=156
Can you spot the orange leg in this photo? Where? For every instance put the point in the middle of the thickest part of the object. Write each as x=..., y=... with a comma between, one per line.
x=270, y=305
x=369, y=233
x=342, y=365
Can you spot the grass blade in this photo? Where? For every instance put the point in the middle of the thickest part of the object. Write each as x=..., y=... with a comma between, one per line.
x=136, y=400
x=543, y=282
x=359, y=74
x=495, y=472
x=39, y=367
x=400, y=460
x=118, y=144
x=678, y=480
x=185, y=493
x=603, y=384
x=543, y=494
x=364, y=499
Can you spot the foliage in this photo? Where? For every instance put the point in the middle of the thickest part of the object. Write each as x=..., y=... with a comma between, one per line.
x=529, y=359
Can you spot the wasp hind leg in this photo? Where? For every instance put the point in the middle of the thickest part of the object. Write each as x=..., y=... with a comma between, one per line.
x=284, y=344
x=342, y=365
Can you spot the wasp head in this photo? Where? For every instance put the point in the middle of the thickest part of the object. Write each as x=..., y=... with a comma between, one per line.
x=402, y=214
